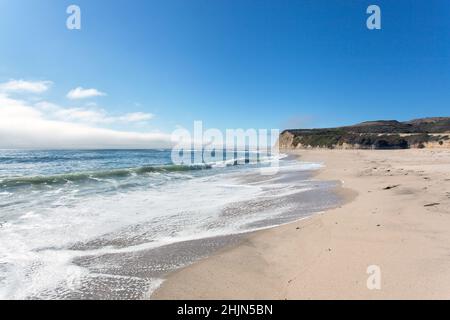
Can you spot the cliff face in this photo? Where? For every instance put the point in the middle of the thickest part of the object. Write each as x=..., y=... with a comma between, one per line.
x=419, y=133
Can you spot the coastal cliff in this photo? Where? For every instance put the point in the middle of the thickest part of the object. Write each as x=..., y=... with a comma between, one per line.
x=383, y=134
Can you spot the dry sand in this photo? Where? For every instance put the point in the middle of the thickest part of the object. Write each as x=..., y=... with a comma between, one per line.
x=405, y=230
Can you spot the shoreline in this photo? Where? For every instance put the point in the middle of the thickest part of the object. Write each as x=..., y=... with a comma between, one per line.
x=398, y=221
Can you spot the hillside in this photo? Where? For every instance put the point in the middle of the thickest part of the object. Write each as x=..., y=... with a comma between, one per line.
x=382, y=134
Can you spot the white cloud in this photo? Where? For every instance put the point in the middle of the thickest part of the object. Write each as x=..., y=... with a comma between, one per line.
x=82, y=115
x=136, y=117
x=91, y=115
x=80, y=93
x=25, y=86
x=47, y=125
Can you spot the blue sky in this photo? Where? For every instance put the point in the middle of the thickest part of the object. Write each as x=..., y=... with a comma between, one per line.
x=234, y=63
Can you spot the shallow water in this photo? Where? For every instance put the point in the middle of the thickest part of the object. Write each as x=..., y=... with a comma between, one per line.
x=111, y=224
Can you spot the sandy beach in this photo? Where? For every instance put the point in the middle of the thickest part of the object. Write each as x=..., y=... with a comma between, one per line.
x=396, y=217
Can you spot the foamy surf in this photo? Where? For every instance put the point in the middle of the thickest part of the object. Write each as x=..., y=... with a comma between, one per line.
x=117, y=237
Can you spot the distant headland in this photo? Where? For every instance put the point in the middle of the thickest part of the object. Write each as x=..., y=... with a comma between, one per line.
x=382, y=134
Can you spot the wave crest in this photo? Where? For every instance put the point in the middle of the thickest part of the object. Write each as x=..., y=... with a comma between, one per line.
x=114, y=173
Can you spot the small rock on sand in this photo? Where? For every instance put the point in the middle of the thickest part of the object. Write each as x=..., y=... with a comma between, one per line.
x=432, y=204
x=391, y=187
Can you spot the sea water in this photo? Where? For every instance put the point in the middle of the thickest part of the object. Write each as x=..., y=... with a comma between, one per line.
x=110, y=224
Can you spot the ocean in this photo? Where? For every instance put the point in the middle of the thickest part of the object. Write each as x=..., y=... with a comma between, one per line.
x=111, y=224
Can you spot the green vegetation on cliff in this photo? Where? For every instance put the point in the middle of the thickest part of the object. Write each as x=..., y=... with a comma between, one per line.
x=375, y=135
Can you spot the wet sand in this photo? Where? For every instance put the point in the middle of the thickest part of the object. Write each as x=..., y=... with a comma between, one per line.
x=397, y=217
